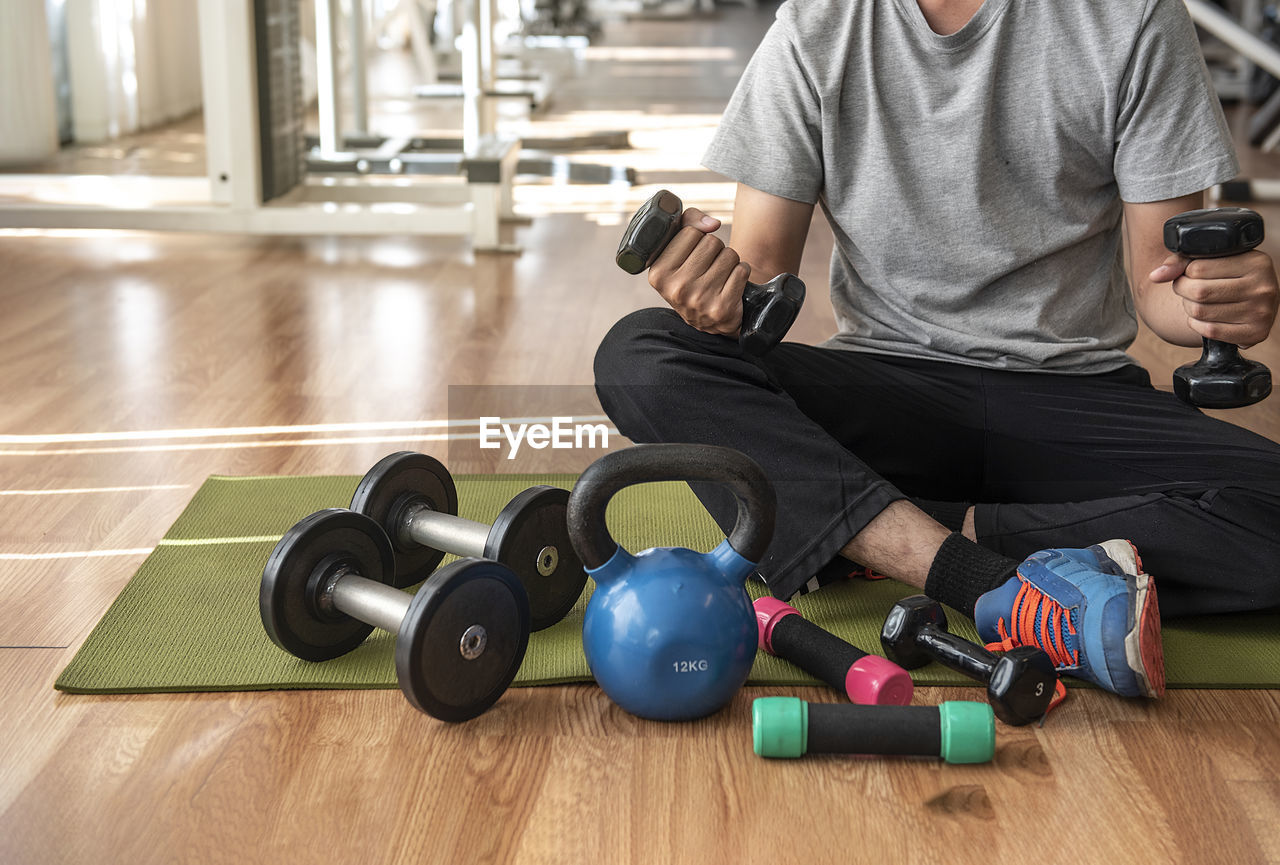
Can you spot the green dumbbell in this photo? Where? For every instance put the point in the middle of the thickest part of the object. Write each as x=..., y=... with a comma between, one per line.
x=956, y=731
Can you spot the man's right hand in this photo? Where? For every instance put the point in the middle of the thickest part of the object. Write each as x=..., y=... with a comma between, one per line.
x=700, y=277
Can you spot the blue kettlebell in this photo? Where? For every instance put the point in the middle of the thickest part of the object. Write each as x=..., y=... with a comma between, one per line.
x=670, y=633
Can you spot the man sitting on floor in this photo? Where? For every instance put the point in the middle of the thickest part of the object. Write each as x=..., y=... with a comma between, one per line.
x=975, y=427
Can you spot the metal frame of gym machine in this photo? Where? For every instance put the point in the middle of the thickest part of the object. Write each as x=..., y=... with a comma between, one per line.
x=239, y=199
x=1264, y=55
x=336, y=152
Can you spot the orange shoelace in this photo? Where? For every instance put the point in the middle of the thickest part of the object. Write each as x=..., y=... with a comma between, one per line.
x=1027, y=607
x=1046, y=635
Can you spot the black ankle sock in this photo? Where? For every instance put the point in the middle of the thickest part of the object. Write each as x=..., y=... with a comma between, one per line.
x=962, y=572
x=949, y=514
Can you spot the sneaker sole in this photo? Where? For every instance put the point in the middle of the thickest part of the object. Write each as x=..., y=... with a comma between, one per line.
x=1143, y=647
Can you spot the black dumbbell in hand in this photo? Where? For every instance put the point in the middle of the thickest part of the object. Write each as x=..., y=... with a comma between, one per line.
x=1020, y=683
x=768, y=310
x=1221, y=378
x=413, y=498
x=459, y=641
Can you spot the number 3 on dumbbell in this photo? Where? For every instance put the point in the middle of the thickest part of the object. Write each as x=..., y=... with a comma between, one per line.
x=413, y=497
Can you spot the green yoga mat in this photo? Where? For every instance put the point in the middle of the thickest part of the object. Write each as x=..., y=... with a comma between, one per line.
x=188, y=620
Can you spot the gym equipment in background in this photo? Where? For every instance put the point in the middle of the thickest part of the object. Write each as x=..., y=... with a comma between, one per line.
x=768, y=310
x=865, y=678
x=413, y=498
x=1245, y=30
x=1221, y=378
x=1020, y=682
x=255, y=110
x=956, y=731
x=459, y=641
x=669, y=633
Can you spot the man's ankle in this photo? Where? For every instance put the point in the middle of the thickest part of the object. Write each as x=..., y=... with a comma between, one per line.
x=962, y=571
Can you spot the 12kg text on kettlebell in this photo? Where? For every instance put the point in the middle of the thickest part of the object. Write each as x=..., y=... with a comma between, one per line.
x=698, y=666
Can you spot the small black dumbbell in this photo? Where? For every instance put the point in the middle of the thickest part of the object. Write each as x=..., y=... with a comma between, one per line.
x=459, y=641
x=1020, y=683
x=768, y=310
x=1221, y=378
x=413, y=498
x=956, y=731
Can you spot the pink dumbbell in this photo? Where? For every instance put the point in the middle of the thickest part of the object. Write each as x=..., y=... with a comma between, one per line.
x=867, y=679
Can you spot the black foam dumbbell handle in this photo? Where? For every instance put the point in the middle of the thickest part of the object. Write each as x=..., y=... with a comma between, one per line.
x=814, y=650
x=853, y=729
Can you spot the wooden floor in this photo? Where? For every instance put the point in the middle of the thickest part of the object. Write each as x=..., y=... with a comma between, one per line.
x=137, y=364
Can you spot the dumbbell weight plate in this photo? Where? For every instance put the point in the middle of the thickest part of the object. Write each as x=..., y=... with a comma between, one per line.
x=531, y=536
x=395, y=483
x=463, y=639
x=315, y=547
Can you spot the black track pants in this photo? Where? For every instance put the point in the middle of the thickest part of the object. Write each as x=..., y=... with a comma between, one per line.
x=1049, y=460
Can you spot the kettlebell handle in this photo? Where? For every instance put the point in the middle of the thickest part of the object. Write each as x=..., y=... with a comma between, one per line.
x=752, y=531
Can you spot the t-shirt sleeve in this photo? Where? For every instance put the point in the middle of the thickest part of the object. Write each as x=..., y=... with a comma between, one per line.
x=1171, y=136
x=770, y=135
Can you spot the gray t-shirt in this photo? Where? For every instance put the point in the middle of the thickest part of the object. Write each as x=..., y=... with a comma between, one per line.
x=974, y=181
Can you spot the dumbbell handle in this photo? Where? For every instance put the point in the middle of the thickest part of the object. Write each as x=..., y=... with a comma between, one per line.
x=898, y=730
x=419, y=524
x=957, y=653
x=956, y=731
x=864, y=678
x=366, y=600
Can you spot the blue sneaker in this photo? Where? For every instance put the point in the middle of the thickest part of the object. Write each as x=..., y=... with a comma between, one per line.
x=1093, y=611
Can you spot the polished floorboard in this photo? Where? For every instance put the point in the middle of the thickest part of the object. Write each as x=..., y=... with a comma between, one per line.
x=135, y=365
